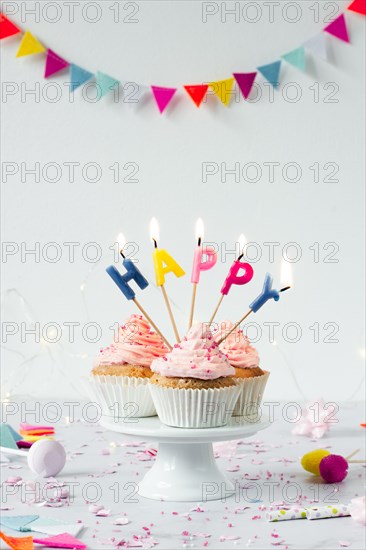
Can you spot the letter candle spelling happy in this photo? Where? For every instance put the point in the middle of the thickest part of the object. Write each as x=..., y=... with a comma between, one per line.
x=267, y=293
x=160, y=258
x=233, y=278
x=132, y=273
x=199, y=265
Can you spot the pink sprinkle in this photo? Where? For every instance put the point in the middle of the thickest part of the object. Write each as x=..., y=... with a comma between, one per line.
x=103, y=513
x=13, y=480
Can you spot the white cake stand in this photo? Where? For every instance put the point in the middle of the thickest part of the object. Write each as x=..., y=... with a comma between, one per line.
x=185, y=468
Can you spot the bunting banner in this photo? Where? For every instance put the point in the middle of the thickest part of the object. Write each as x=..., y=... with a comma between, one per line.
x=223, y=89
x=296, y=58
x=54, y=64
x=317, y=45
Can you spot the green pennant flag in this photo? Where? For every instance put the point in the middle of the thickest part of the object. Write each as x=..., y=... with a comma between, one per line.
x=296, y=58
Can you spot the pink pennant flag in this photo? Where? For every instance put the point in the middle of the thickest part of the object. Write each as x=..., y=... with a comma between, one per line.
x=54, y=63
x=338, y=28
x=61, y=541
x=245, y=82
x=163, y=96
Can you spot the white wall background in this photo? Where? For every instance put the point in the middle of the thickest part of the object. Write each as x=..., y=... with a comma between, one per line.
x=170, y=45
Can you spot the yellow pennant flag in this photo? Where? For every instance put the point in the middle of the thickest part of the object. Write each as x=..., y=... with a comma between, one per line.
x=223, y=88
x=29, y=45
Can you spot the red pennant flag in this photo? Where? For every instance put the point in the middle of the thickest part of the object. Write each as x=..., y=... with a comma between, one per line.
x=359, y=6
x=197, y=92
x=54, y=64
x=245, y=82
x=338, y=28
x=7, y=28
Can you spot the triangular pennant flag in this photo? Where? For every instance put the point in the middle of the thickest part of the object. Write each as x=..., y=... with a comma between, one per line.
x=24, y=543
x=50, y=526
x=61, y=541
x=54, y=63
x=338, y=28
x=105, y=83
x=163, y=96
x=318, y=45
x=18, y=523
x=78, y=76
x=296, y=58
x=358, y=6
x=6, y=437
x=245, y=82
x=133, y=93
x=29, y=45
x=197, y=92
x=223, y=89
x=16, y=436
x=271, y=72
x=7, y=28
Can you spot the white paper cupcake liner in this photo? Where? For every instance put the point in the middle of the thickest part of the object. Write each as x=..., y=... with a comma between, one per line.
x=187, y=408
x=122, y=396
x=250, y=397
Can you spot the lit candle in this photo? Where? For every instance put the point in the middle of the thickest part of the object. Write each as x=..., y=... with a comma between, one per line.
x=132, y=273
x=164, y=264
x=198, y=265
x=233, y=277
x=202, y=251
x=268, y=293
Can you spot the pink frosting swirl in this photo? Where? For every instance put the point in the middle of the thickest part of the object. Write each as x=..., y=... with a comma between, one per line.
x=137, y=345
x=197, y=356
x=237, y=347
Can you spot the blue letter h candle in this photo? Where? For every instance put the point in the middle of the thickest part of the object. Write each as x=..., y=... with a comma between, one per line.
x=132, y=273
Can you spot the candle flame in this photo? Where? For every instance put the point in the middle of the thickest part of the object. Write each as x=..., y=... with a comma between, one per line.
x=121, y=241
x=242, y=242
x=154, y=230
x=286, y=274
x=200, y=229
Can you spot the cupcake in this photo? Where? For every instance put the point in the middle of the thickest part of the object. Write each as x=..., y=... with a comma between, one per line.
x=119, y=379
x=245, y=360
x=193, y=385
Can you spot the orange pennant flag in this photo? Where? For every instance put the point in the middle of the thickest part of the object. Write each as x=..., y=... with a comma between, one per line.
x=22, y=543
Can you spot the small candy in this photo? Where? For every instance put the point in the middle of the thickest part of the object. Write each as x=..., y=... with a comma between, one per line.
x=333, y=468
x=310, y=461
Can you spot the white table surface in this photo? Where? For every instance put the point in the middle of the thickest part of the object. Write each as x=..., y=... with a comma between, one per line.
x=113, y=463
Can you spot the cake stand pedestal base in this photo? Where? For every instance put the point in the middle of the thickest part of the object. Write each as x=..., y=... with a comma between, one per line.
x=185, y=469
x=185, y=472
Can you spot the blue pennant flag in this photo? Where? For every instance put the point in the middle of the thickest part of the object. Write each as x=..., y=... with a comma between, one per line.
x=78, y=76
x=271, y=72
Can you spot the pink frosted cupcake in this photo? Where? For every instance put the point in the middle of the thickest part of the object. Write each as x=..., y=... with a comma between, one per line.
x=122, y=370
x=193, y=385
x=245, y=360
